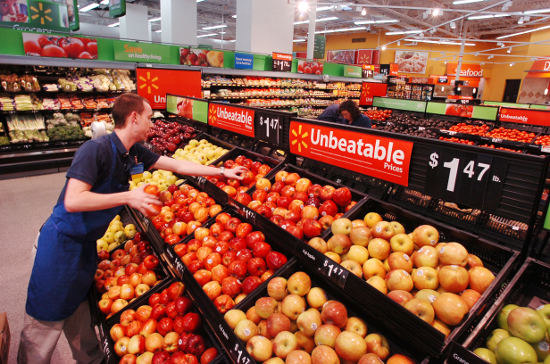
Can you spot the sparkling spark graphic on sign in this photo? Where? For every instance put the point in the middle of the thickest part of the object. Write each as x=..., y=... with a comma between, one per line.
x=148, y=82
x=299, y=138
x=41, y=13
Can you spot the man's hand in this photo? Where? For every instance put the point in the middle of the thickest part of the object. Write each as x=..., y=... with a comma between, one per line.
x=236, y=173
x=141, y=201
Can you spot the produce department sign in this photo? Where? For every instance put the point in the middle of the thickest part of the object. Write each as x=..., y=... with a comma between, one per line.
x=369, y=90
x=533, y=117
x=236, y=119
x=154, y=84
x=141, y=52
x=380, y=157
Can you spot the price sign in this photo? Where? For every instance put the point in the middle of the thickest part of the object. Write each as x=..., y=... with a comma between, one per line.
x=239, y=354
x=269, y=127
x=282, y=62
x=177, y=263
x=201, y=181
x=248, y=214
x=334, y=272
x=475, y=180
x=106, y=347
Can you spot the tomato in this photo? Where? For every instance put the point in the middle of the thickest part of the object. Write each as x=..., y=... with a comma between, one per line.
x=152, y=190
x=85, y=55
x=31, y=46
x=92, y=48
x=44, y=40
x=51, y=50
x=72, y=46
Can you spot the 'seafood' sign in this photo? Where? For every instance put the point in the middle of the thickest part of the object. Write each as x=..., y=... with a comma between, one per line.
x=384, y=158
x=235, y=119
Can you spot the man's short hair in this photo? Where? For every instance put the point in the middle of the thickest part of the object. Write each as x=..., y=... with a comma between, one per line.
x=124, y=105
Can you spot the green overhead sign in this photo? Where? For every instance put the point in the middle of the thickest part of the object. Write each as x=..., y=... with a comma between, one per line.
x=319, y=46
x=141, y=52
x=39, y=15
x=540, y=107
x=436, y=108
x=485, y=113
x=398, y=104
x=353, y=71
x=117, y=8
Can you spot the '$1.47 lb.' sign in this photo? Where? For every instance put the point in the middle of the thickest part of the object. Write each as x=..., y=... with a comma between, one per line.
x=467, y=178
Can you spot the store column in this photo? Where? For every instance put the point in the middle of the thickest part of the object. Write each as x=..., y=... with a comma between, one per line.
x=135, y=25
x=179, y=21
x=265, y=26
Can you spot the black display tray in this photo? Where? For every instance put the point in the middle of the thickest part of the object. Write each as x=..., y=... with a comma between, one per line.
x=500, y=260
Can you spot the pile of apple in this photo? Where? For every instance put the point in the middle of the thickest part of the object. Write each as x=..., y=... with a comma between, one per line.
x=116, y=234
x=234, y=187
x=202, y=152
x=160, y=178
x=166, y=136
x=297, y=324
x=439, y=282
x=165, y=331
x=129, y=274
x=184, y=209
x=229, y=260
x=302, y=208
x=522, y=336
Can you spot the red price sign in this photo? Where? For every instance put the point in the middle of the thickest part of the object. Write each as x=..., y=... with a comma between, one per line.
x=236, y=119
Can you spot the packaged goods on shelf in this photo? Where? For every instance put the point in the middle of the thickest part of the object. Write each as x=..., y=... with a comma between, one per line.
x=4, y=140
x=51, y=87
x=50, y=104
x=23, y=103
x=89, y=103
x=25, y=122
x=67, y=85
x=122, y=80
x=84, y=84
x=76, y=103
x=6, y=104
x=10, y=82
x=101, y=83
x=28, y=136
x=29, y=83
x=65, y=132
x=65, y=103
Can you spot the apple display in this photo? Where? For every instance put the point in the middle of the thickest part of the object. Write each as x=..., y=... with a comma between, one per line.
x=480, y=278
x=425, y=235
x=453, y=278
x=318, y=244
x=470, y=297
x=334, y=256
x=399, y=279
x=299, y=283
x=284, y=343
x=353, y=267
x=374, y=267
x=486, y=355
x=379, y=283
x=426, y=256
x=502, y=317
x=495, y=337
x=233, y=317
x=427, y=294
x=425, y=278
x=326, y=335
x=441, y=327
x=474, y=261
x=298, y=357
x=370, y=358
x=450, y=308
x=265, y=306
x=293, y=305
x=402, y=242
x=276, y=323
x=399, y=359
x=378, y=345
x=357, y=326
x=276, y=288
x=421, y=308
x=400, y=260
x=335, y=313
x=360, y=235
x=245, y=329
x=341, y=226
x=350, y=346
x=400, y=296
x=453, y=253
x=379, y=248
x=309, y=321
x=316, y=297
x=260, y=348
x=383, y=230
x=358, y=253
x=544, y=312
x=339, y=243
x=324, y=354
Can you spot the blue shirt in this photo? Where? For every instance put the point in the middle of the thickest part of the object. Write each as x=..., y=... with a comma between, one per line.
x=362, y=121
x=332, y=114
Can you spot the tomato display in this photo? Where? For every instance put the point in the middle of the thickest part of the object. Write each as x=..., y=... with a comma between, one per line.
x=499, y=148
x=543, y=140
x=470, y=129
x=511, y=134
x=378, y=115
x=457, y=140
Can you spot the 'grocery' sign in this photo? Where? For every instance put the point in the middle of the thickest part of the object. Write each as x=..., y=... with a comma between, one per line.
x=384, y=158
x=235, y=119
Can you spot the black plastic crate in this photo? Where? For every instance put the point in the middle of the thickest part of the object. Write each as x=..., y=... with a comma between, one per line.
x=234, y=139
x=206, y=332
x=399, y=344
x=500, y=260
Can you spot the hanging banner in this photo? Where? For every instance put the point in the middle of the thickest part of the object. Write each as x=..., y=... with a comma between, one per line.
x=236, y=119
x=346, y=56
x=42, y=45
x=367, y=56
x=201, y=57
x=244, y=61
x=522, y=116
x=141, y=52
x=372, y=155
x=282, y=62
x=399, y=104
x=154, y=84
x=39, y=15
x=187, y=107
x=117, y=8
x=352, y=71
x=371, y=89
x=411, y=62
x=319, y=46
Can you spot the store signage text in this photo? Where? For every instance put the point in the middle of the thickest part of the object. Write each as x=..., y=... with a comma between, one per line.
x=235, y=119
x=369, y=90
x=154, y=84
x=140, y=52
x=547, y=66
x=466, y=70
x=534, y=117
x=244, y=61
x=375, y=156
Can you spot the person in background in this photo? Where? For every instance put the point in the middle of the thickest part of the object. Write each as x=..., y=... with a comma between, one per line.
x=353, y=116
x=96, y=188
x=332, y=114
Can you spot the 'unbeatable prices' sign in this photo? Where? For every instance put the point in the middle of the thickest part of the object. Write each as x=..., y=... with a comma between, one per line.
x=380, y=157
x=235, y=119
x=533, y=117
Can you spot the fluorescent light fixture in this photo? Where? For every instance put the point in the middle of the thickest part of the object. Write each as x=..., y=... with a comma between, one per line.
x=207, y=35
x=114, y=25
x=89, y=7
x=436, y=12
x=340, y=30
x=438, y=42
x=234, y=16
x=536, y=11
x=223, y=32
x=404, y=32
x=511, y=64
x=104, y=2
x=520, y=21
x=215, y=27
x=323, y=8
x=545, y=91
x=231, y=41
x=509, y=50
x=320, y=20
x=381, y=21
x=477, y=17
x=460, y=2
x=524, y=32
x=384, y=47
x=500, y=15
x=200, y=1
x=158, y=31
x=452, y=25
x=298, y=40
x=154, y=19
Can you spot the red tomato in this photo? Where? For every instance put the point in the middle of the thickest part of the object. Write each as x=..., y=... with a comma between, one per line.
x=72, y=46
x=92, y=48
x=85, y=55
x=31, y=46
x=51, y=50
x=44, y=40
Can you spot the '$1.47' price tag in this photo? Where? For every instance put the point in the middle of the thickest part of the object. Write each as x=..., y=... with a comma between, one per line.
x=240, y=355
x=334, y=272
x=269, y=127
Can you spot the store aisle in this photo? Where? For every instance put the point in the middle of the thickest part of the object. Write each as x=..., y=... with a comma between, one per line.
x=25, y=203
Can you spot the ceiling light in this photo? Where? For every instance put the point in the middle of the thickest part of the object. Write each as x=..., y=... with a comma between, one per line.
x=104, y=2
x=500, y=15
x=340, y=30
x=207, y=35
x=500, y=44
x=154, y=19
x=323, y=8
x=404, y=32
x=234, y=16
x=536, y=11
x=200, y=1
x=491, y=57
x=303, y=6
x=215, y=27
x=477, y=17
x=381, y=21
x=520, y=21
x=298, y=40
x=158, y=31
x=509, y=50
x=545, y=91
x=384, y=47
x=114, y=25
x=436, y=12
x=89, y=7
x=320, y=20
x=439, y=42
x=452, y=25
x=524, y=32
x=460, y=2
x=223, y=32
x=511, y=64
x=231, y=41
x=364, y=12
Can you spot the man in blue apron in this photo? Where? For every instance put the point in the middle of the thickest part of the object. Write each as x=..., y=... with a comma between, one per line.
x=95, y=191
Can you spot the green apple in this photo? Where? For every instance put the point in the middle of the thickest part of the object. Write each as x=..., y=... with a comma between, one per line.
x=130, y=231
x=503, y=316
x=513, y=350
x=527, y=324
x=543, y=349
x=486, y=355
x=496, y=336
x=544, y=312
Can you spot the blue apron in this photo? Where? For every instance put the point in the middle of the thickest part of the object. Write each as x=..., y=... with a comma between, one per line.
x=66, y=259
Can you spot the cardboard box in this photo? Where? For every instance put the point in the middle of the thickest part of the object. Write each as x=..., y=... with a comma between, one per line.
x=4, y=338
